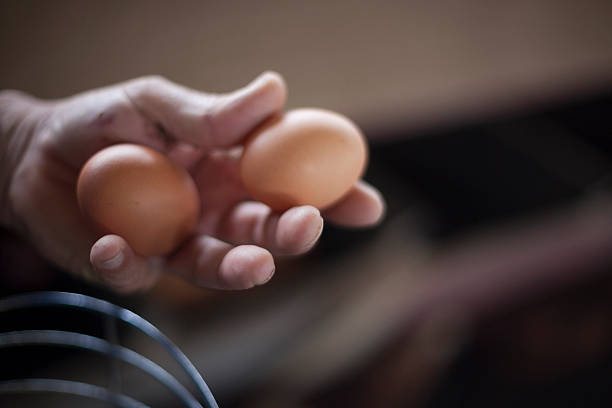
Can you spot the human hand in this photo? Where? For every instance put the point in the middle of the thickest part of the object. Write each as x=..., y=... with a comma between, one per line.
x=46, y=143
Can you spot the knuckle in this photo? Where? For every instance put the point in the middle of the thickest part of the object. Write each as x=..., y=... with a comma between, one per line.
x=152, y=80
x=122, y=282
x=143, y=85
x=155, y=80
x=208, y=123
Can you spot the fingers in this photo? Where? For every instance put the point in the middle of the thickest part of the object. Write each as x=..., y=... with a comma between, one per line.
x=236, y=114
x=213, y=263
x=163, y=115
x=291, y=233
x=297, y=230
x=207, y=120
x=204, y=261
x=362, y=206
x=209, y=262
x=116, y=265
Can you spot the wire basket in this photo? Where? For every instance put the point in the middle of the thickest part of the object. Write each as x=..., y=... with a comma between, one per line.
x=69, y=339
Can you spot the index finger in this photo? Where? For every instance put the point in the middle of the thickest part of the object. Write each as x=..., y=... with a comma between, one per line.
x=158, y=113
x=207, y=120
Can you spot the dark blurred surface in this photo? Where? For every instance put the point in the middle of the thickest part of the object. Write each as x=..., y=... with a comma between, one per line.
x=504, y=167
x=554, y=350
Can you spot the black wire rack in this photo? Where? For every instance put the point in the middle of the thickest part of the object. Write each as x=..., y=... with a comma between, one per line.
x=59, y=338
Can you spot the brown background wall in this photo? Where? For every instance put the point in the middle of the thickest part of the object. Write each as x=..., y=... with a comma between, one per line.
x=386, y=62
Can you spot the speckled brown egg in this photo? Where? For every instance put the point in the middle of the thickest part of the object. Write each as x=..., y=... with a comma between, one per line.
x=303, y=157
x=137, y=193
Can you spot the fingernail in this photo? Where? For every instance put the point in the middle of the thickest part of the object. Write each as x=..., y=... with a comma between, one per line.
x=269, y=79
x=113, y=262
x=248, y=89
x=262, y=278
x=264, y=267
x=317, y=234
x=264, y=77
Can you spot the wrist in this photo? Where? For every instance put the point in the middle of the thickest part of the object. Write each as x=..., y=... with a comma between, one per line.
x=19, y=115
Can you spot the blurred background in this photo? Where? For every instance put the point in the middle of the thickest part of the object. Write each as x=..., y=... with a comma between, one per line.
x=490, y=127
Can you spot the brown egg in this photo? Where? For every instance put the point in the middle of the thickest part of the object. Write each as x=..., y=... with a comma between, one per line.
x=137, y=193
x=305, y=156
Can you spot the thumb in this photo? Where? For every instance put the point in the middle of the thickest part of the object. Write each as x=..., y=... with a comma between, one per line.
x=207, y=120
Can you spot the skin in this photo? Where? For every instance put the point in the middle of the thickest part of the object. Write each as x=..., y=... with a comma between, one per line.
x=45, y=143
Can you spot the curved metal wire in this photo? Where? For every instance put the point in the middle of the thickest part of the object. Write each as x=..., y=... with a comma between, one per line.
x=86, y=390
x=91, y=343
x=65, y=299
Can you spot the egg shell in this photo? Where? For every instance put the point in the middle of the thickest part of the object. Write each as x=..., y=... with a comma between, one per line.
x=303, y=157
x=139, y=194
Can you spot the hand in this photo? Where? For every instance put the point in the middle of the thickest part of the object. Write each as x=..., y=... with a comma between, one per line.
x=46, y=143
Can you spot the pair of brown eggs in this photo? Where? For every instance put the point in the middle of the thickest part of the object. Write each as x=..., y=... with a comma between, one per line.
x=303, y=157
